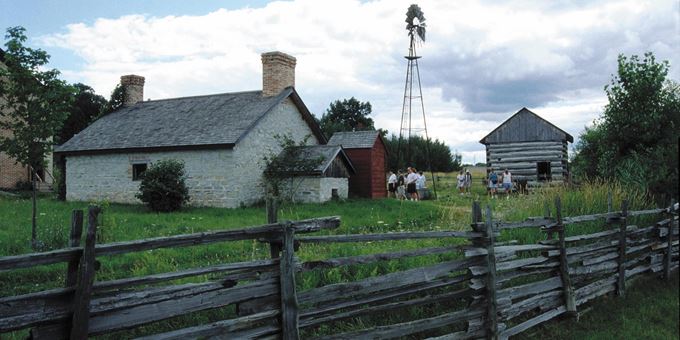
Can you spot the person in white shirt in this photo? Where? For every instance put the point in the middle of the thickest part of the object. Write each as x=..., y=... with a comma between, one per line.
x=411, y=184
x=507, y=183
x=461, y=182
x=392, y=185
x=420, y=185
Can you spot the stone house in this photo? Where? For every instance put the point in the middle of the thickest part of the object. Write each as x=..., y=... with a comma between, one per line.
x=327, y=181
x=221, y=138
x=13, y=173
x=530, y=147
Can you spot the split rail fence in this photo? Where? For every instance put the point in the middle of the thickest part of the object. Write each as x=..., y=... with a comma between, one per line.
x=473, y=287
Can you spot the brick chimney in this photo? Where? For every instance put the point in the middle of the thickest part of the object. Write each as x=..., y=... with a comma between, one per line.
x=278, y=72
x=134, y=89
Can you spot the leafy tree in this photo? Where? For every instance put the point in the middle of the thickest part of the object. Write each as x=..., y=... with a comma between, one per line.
x=116, y=100
x=33, y=105
x=281, y=168
x=440, y=155
x=635, y=138
x=163, y=186
x=346, y=115
x=86, y=107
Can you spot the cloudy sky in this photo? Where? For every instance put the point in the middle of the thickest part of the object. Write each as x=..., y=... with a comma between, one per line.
x=482, y=61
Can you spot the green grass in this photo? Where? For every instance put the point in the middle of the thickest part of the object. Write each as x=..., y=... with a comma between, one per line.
x=130, y=222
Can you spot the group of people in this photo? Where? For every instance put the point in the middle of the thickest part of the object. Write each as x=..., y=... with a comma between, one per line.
x=504, y=181
x=406, y=186
x=464, y=182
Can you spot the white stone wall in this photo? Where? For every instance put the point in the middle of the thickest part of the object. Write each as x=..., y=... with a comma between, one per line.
x=261, y=141
x=316, y=189
x=109, y=177
x=221, y=178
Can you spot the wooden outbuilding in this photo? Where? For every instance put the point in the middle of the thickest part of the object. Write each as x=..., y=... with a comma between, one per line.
x=530, y=147
x=368, y=152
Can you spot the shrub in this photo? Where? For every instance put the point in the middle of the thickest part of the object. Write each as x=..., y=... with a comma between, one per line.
x=163, y=188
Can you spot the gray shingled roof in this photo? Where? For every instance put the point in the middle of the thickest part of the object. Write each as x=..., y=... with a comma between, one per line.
x=354, y=139
x=327, y=153
x=220, y=119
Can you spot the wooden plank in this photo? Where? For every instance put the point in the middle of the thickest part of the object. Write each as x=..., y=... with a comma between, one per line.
x=115, y=318
x=621, y=283
x=17, y=312
x=533, y=322
x=387, y=236
x=308, y=320
x=521, y=263
x=262, y=265
x=36, y=259
x=74, y=242
x=529, y=223
x=564, y=264
x=83, y=293
x=361, y=259
x=669, y=251
x=408, y=328
x=388, y=295
x=216, y=329
x=388, y=281
x=289, y=303
x=543, y=301
x=530, y=288
x=595, y=289
x=249, y=233
x=592, y=269
x=491, y=295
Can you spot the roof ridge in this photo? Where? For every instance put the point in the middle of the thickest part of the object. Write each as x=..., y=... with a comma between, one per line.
x=200, y=96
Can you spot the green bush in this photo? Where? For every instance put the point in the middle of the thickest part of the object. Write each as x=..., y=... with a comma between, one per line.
x=163, y=188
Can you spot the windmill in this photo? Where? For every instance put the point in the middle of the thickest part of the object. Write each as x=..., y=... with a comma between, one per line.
x=413, y=95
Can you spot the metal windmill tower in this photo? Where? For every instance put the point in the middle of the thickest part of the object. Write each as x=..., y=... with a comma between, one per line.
x=413, y=104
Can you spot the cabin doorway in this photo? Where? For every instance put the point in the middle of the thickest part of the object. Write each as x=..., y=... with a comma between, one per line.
x=543, y=171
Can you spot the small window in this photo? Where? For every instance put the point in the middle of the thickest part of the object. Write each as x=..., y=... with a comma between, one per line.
x=543, y=171
x=138, y=171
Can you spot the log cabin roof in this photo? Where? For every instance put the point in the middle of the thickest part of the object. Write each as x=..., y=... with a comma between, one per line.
x=211, y=121
x=525, y=126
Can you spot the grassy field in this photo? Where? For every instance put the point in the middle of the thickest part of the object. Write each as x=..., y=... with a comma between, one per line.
x=450, y=212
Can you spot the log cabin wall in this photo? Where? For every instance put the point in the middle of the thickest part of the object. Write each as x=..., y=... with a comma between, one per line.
x=522, y=159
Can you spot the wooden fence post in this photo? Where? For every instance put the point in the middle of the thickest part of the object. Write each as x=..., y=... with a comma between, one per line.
x=289, y=302
x=272, y=217
x=492, y=302
x=546, y=215
x=74, y=241
x=669, y=247
x=569, y=300
x=621, y=282
x=81, y=305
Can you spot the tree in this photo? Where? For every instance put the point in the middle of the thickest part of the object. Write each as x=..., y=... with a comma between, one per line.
x=441, y=158
x=280, y=168
x=346, y=115
x=33, y=105
x=116, y=101
x=163, y=186
x=635, y=138
x=86, y=107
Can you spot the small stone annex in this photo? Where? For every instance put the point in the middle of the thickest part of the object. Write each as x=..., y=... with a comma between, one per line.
x=221, y=138
x=530, y=147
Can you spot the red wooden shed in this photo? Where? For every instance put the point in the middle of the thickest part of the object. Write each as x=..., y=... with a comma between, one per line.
x=368, y=153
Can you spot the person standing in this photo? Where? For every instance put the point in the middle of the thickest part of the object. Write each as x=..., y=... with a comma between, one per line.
x=468, y=181
x=392, y=185
x=507, y=183
x=411, y=184
x=493, y=181
x=400, y=185
x=420, y=185
x=461, y=182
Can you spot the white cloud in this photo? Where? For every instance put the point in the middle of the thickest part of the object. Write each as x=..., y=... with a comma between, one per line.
x=482, y=61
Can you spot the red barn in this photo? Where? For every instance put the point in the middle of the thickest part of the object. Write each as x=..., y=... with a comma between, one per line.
x=368, y=153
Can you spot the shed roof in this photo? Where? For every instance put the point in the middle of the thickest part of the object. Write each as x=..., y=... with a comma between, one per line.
x=355, y=139
x=525, y=126
x=325, y=152
x=218, y=120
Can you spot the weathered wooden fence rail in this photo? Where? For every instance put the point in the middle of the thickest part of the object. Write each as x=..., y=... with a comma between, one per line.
x=470, y=286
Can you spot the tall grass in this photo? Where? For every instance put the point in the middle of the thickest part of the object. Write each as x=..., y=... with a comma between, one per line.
x=129, y=222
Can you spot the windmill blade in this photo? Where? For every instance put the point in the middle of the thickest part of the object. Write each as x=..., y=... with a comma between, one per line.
x=421, y=32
